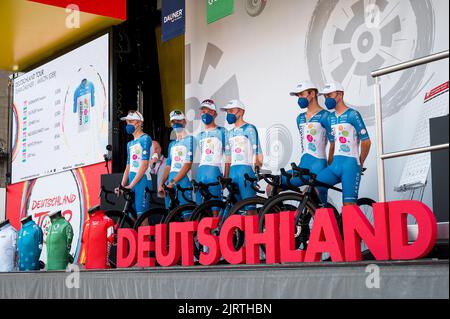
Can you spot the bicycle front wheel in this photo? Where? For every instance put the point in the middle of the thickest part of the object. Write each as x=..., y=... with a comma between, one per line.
x=204, y=211
x=117, y=217
x=292, y=202
x=151, y=218
x=366, y=206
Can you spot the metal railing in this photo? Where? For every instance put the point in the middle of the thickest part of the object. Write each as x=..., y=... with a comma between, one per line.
x=381, y=156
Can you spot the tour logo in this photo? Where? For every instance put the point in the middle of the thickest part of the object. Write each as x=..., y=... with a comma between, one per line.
x=63, y=192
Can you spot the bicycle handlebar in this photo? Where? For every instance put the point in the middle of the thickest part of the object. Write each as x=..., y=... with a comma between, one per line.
x=253, y=183
x=103, y=190
x=228, y=184
x=302, y=172
x=204, y=189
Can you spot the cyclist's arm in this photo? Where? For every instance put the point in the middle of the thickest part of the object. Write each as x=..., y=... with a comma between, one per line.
x=254, y=140
x=259, y=160
x=141, y=172
x=363, y=135
x=165, y=176
x=125, y=177
x=365, y=149
x=184, y=171
x=227, y=169
x=331, y=153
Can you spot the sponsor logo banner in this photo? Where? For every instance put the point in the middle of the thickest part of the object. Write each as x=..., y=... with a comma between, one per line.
x=218, y=9
x=173, y=19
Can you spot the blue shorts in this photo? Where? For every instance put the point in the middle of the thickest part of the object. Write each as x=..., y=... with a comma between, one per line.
x=208, y=175
x=185, y=183
x=237, y=175
x=313, y=164
x=141, y=201
x=345, y=170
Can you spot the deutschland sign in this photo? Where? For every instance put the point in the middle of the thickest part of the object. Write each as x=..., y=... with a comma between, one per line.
x=387, y=238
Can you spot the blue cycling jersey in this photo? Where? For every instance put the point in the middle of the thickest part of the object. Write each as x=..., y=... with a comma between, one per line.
x=315, y=134
x=29, y=246
x=83, y=100
x=348, y=131
x=243, y=146
x=139, y=150
x=181, y=152
x=211, y=144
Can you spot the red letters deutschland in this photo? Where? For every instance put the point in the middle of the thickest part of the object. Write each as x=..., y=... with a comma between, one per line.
x=386, y=237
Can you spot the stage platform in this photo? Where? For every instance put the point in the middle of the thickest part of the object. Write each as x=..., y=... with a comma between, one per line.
x=411, y=279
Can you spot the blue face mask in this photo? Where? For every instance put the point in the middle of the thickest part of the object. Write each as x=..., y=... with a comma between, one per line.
x=130, y=129
x=177, y=127
x=330, y=103
x=207, y=118
x=231, y=119
x=303, y=103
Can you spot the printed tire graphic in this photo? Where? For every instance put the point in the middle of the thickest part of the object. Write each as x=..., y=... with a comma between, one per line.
x=362, y=49
x=255, y=7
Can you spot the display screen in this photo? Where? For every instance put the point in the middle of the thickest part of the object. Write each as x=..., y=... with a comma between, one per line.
x=61, y=112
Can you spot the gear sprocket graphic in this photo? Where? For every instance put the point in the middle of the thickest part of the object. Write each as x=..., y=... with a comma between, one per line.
x=358, y=37
x=255, y=7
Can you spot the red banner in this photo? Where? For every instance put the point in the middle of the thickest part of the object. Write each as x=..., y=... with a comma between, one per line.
x=109, y=8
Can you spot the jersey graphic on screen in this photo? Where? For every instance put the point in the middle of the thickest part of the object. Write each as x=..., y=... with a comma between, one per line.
x=29, y=246
x=59, y=242
x=98, y=236
x=8, y=248
x=83, y=100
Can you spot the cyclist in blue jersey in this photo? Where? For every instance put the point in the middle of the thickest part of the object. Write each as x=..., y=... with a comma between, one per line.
x=137, y=175
x=350, y=134
x=315, y=132
x=179, y=162
x=211, y=143
x=243, y=151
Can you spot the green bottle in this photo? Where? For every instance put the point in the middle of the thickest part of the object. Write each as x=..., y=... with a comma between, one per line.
x=59, y=242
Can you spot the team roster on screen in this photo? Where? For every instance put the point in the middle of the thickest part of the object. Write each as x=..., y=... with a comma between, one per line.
x=60, y=113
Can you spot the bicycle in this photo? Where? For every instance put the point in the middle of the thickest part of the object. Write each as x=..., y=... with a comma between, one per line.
x=224, y=206
x=160, y=215
x=274, y=180
x=306, y=204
